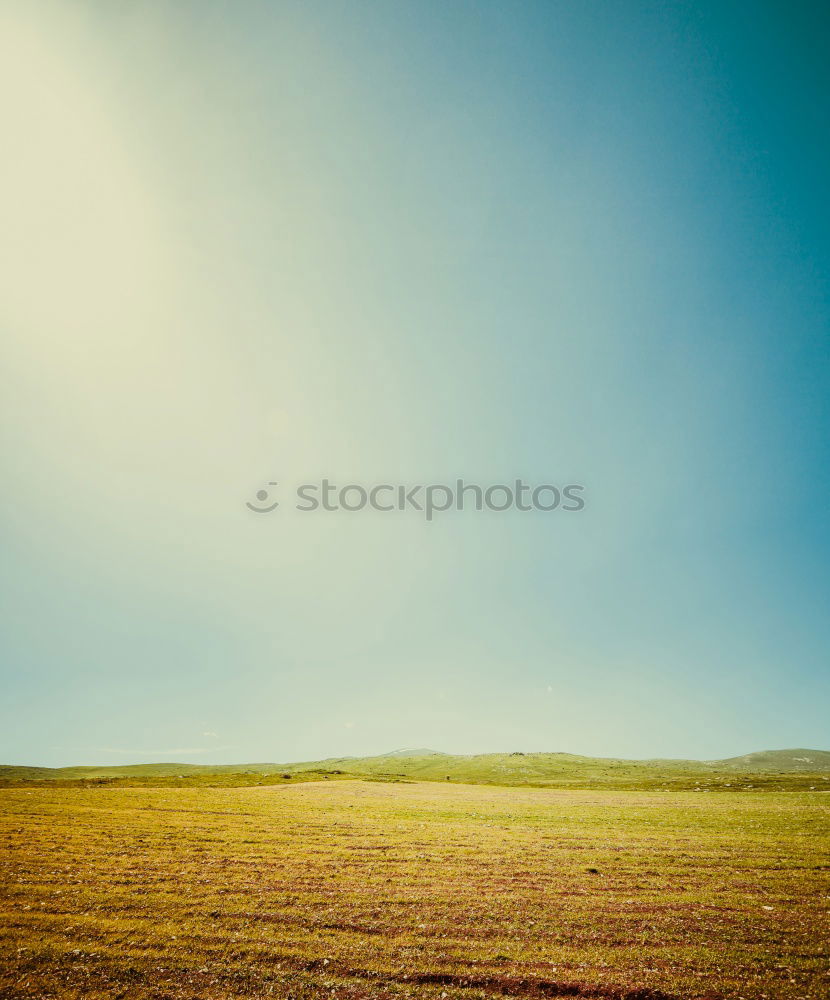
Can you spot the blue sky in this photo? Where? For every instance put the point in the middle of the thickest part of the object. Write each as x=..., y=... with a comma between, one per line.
x=411, y=243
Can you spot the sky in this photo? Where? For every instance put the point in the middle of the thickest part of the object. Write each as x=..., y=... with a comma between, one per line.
x=276, y=242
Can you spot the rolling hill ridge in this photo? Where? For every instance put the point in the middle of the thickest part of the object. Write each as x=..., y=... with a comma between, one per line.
x=779, y=769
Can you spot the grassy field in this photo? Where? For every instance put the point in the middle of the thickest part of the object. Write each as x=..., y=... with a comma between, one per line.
x=364, y=889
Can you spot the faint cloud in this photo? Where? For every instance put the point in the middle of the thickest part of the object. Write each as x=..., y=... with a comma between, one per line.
x=213, y=736
x=348, y=725
x=158, y=753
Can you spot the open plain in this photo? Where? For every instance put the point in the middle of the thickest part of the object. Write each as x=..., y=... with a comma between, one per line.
x=367, y=889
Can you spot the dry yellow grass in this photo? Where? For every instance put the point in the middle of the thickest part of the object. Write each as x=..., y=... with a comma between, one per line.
x=370, y=890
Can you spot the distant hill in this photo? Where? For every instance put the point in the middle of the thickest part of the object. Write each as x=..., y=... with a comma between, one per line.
x=772, y=769
x=779, y=760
